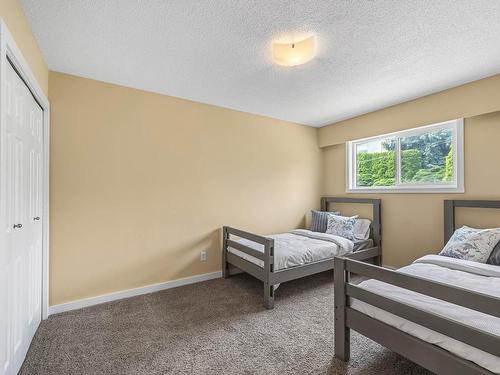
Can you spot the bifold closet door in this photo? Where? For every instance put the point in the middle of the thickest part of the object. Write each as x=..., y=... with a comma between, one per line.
x=21, y=219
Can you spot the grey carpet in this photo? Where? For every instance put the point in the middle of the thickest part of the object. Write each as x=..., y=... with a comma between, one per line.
x=215, y=327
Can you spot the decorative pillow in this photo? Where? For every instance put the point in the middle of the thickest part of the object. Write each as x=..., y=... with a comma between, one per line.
x=362, y=229
x=342, y=226
x=495, y=256
x=320, y=220
x=472, y=244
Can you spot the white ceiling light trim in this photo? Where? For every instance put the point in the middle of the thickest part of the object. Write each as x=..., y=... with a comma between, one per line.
x=294, y=52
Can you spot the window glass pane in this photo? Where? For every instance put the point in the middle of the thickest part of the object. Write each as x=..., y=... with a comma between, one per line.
x=427, y=158
x=376, y=163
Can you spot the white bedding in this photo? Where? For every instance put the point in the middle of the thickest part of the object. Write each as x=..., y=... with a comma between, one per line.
x=298, y=247
x=478, y=277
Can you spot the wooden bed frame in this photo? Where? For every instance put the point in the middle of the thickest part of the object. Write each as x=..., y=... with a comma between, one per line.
x=271, y=277
x=421, y=352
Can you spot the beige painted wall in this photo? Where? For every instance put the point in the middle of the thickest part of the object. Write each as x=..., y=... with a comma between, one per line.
x=413, y=223
x=472, y=99
x=12, y=13
x=141, y=183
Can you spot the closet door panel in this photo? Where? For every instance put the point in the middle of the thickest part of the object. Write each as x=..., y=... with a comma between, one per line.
x=21, y=158
x=34, y=116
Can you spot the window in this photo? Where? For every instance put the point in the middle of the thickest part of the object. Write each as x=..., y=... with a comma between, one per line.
x=426, y=159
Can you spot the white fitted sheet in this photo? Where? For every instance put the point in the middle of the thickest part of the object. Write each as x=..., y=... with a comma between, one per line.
x=478, y=277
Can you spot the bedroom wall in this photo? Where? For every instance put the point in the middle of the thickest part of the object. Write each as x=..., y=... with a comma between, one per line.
x=141, y=183
x=413, y=223
x=12, y=14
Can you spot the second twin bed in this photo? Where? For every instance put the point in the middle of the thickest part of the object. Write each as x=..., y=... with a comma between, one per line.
x=278, y=258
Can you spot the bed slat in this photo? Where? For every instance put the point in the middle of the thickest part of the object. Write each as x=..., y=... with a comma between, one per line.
x=247, y=250
x=249, y=236
x=246, y=266
x=364, y=254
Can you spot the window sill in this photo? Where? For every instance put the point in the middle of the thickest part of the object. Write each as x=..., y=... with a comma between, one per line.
x=412, y=190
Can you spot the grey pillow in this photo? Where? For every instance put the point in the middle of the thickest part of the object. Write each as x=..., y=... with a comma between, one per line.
x=320, y=220
x=495, y=256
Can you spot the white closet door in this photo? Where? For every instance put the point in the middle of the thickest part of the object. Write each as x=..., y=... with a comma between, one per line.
x=21, y=223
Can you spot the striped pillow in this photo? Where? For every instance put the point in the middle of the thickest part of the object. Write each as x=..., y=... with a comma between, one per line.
x=495, y=256
x=320, y=220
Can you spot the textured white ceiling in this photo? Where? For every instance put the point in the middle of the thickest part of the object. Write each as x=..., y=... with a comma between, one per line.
x=371, y=53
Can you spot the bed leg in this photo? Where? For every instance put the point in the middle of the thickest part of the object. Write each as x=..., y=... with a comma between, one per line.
x=225, y=265
x=342, y=334
x=268, y=296
x=268, y=269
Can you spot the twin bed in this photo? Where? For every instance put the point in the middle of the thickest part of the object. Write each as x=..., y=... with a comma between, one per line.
x=441, y=313
x=283, y=257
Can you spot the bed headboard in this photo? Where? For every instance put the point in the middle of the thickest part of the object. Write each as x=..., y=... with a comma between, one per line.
x=449, y=212
x=376, y=229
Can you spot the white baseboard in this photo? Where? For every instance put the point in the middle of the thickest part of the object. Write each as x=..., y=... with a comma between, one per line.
x=78, y=304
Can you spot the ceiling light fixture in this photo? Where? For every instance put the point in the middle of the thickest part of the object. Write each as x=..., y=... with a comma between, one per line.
x=295, y=52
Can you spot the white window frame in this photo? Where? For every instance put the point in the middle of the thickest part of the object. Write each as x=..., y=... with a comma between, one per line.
x=457, y=127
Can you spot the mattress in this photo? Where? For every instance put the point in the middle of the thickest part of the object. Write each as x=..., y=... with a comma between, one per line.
x=478, y=277
x=300, y=247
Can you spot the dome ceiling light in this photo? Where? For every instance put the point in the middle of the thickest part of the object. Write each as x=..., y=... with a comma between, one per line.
x=294, y=53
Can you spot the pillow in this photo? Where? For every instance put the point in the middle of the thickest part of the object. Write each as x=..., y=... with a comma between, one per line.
x=472, y=244
x=362, y=229
x=320, y=220
x=342, y=226
x=495, y=256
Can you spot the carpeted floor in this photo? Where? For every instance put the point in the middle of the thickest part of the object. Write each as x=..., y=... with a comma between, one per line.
x=215, y=327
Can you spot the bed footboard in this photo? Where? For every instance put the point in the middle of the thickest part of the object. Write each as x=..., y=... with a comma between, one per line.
x=267, y=257
x=427, y=355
